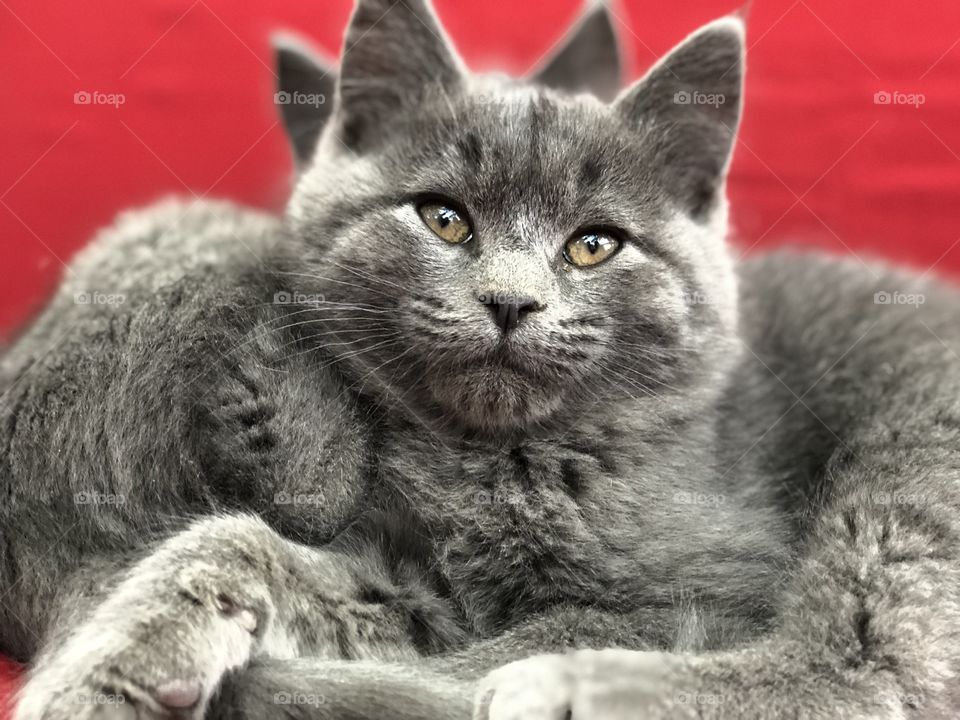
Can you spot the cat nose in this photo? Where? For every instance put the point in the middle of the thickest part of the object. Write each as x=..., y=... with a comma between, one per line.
x=508, y=310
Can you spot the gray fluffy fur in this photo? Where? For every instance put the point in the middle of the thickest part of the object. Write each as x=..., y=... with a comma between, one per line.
x=297, y=472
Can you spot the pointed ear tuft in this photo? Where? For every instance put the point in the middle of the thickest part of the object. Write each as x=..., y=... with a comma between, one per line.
x=691, y=101
x=306, y=88
x=588, y=59
x=394, y=56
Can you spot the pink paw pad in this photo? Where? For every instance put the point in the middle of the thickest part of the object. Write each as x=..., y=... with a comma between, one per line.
x=179, y=694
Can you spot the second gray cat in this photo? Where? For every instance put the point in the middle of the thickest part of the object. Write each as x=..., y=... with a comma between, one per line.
x=492, y=391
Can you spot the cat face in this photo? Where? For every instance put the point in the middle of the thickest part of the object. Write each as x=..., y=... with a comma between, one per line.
x=500, y=255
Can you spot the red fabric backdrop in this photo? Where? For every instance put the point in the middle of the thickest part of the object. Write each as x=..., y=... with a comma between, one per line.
x=820, y=162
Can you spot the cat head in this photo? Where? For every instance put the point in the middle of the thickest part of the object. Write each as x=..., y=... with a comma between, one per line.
x=500, y=255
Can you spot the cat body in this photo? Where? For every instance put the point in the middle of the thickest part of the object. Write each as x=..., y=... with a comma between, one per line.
x=493, y=387
x=515, y=526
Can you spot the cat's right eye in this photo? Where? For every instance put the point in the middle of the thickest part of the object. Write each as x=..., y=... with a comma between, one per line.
x=446, y=221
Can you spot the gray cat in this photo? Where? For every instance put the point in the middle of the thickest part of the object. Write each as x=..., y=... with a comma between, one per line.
x=492, y=388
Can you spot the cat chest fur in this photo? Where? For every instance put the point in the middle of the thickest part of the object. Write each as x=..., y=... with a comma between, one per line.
x=511, y=535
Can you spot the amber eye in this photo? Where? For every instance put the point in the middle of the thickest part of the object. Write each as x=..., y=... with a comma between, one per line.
x=449, y=223
x=590, y=248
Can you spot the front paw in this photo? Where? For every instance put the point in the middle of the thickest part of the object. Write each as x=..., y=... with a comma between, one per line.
x=586, y=685
x=539, y=688
x=109, y=696
x=164, y=667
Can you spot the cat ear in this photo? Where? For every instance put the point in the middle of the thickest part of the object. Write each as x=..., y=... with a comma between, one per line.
x=588, y=59
x=306, y=88
x=689, y=106
x=395, y=54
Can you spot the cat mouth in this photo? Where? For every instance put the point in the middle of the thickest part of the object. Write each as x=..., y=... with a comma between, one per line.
x=502, y=394
x=516, y=358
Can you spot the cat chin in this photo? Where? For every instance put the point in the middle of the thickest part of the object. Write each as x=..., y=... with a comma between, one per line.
x=495, y=400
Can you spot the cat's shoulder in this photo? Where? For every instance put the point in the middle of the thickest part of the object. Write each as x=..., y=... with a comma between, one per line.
x=161, y=243
x=160, y=279
x=171, y=263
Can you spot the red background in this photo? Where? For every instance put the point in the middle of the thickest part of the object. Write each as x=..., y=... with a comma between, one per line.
x=819, y=162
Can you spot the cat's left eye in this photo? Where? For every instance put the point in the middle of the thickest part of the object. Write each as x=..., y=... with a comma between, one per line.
x=590, y=248
x=447, y=222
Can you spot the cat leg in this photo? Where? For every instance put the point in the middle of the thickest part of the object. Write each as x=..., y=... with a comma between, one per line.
x=310, y=689
x=207, y=601
x=437, y=687
x=869, y=626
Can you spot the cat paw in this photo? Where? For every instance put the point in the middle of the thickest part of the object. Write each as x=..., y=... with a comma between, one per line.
x=170, y=674
x=110, y=694
x=583, y=685
x=539, y=688
x=624, y=685
x=105, y=697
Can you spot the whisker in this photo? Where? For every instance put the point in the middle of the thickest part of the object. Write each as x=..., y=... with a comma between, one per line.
x=340, y=358
x=369, y=276
x=646, y=391
x=362, y=379
x=324, y=321
x=339, y=282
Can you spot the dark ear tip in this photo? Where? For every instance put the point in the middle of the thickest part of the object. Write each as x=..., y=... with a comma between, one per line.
x=598, y=11
x=293, y=50
x=599, y=18
x=588, y=57
x=283, y=41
